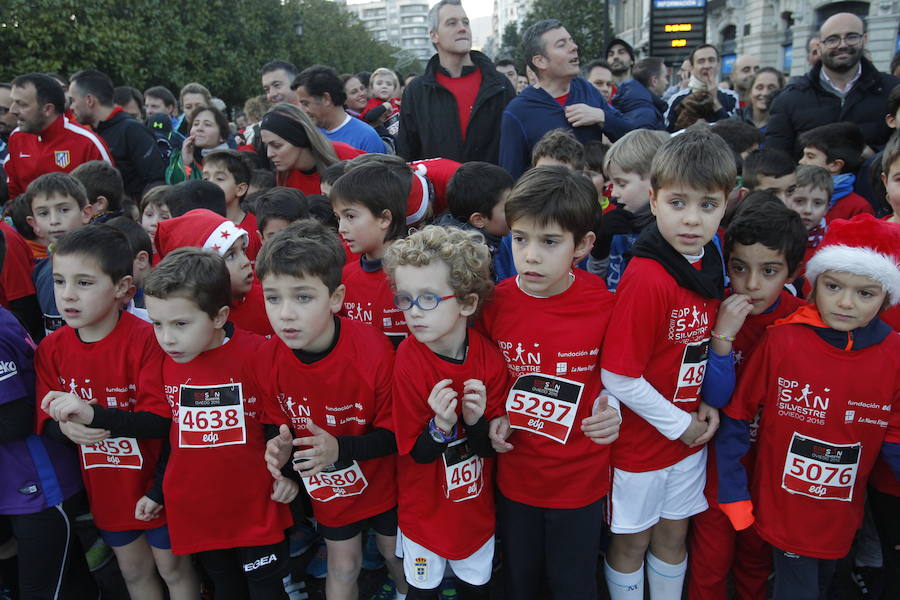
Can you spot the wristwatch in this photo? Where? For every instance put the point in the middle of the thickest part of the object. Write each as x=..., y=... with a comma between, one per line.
x=439, y=436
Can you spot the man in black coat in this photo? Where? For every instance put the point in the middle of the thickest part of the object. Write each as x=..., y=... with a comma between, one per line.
x=843, y=86
x=453, y=110
x=132, y=145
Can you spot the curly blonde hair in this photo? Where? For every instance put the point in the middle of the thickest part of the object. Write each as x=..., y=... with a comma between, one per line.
x=464, y=251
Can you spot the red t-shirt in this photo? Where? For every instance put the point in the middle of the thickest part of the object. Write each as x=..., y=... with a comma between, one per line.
x=370, y=299
x=15, y=276
x=848, y=207
x=561, y=100
x=883, y=478
x=249, y=313
x=347, y=393
x=254, y=244
x=465, y=91
x=547, y=338
x=825, y=414
x=661, y=333
x=118, y=471
x=308, y=182
x=439, y=171
x=217, y=487
x=446, y=506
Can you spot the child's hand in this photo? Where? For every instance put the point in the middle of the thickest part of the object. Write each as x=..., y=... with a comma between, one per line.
x=602, y=427
x=63, y=406
x=710, y=417
x=146, y=509
x=732, y=313
x=474, y=401
x=278, y=451
x=322, y=453
x=694, y=430
x=442, y=401
x=498, y=431
x=82, y=434
x=284, y=490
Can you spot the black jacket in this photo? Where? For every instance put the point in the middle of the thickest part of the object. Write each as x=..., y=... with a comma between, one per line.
x=429, y=122
x=804, y=104
x=133, y=147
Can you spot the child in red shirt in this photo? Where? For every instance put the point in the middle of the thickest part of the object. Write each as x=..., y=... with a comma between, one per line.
x=666, y=304
x=827, y=380
x=328, y=382
x=549, y=323
x=228, y=170
x=96, y=358
x=449, y=381
x=810, y=200
x=383, y=88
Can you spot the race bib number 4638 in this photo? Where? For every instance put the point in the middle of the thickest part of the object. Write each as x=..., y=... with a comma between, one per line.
x=210, y=416
x=544, y=405
x=820, y=469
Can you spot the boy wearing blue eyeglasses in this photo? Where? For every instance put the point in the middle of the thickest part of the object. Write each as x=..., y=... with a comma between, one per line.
x=449, y=381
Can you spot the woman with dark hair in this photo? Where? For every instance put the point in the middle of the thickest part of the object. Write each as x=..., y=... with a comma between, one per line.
x=357, y=95
x=209, y=131
x=767, y=82
x=299, y=152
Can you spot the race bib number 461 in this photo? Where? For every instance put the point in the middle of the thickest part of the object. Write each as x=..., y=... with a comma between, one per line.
x=210, y=416
x=820, y=469
x=544, y=405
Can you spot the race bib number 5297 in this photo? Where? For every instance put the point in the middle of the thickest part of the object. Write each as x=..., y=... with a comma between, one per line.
x=210, y=416
x=544, y=405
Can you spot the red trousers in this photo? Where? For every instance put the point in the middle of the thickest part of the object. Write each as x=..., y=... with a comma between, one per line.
x=715, y=549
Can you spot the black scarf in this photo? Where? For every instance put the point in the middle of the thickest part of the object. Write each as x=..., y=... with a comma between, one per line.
x=708, y=281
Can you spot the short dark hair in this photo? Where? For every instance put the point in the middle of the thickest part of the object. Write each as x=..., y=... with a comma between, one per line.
x=283, y=203
x=137, y=236
x=594, y=155
x=104, y=244
x=100, y=178
x=163, y=93
x=47, y=90
x=320, y=80
x=320, y=210
x=894, y=101
x=645, y=69
x=220, y=119
x=334, y=172
x=19, y=211
x=194, y=193
x=838, y=141
x=562, y=145
x=764, y=219
x=124, y=94
x=766, y=163
x=895, y=62
x=476, y=187
x=233, y=162
x=505, y=62
x=699, y=47
x=305, y=249
x=95, y=83
x=739, y=136
x=555, y=195
x=193, y=274
x=262, y=179
x=891, y=153
x=532, y=45
x=56, y=183
x=378, y=189
x=283, y=65
x=597, y=62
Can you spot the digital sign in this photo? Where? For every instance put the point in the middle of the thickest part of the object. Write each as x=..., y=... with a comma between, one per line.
x=676, y=26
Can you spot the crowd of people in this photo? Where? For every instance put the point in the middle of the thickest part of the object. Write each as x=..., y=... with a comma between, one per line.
x=577, y=324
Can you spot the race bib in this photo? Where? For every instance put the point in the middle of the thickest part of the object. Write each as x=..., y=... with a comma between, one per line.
x=342, y=482
x=691, y=372
x=210, y=416
x=544, y=405
x=462, y=471
x=114, y=453
x=820, y=469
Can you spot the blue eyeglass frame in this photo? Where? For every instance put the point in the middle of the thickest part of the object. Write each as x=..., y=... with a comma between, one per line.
x=415, y=301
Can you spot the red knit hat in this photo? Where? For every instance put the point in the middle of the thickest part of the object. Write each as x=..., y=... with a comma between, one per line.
x=861, y=246
x=198, y=228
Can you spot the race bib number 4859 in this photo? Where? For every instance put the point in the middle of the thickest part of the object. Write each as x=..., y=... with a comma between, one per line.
x=115, y=453
x=820, y=469
x=210, y=416
x=544, y=405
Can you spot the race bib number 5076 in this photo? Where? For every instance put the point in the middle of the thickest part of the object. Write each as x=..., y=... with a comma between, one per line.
x=820, y=469
x=211, y=415
x=544, y=405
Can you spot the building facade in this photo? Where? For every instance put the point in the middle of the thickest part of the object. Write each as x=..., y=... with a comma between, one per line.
x=401, y=23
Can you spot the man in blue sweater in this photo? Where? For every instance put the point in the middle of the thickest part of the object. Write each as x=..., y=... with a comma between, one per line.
x=639, y=97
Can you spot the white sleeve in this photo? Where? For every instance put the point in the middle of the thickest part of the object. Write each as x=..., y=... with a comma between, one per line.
x=641, y=397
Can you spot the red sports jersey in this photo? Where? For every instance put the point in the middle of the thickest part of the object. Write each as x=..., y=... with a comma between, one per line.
x=825, y=414
x=118, y=471
x=439, y=171
x=15, y=276
x=552, y=346
x=309, y=182
x=883, y=478
x=446, y=506
x=217, y=487
x=254, y=244
x=249, y=313
x=848, y=207
x=370, y=299
x=347, y=393
x=659, y=331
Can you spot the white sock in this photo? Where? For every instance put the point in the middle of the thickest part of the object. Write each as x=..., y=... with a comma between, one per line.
x=665, y=580
x=624, y=586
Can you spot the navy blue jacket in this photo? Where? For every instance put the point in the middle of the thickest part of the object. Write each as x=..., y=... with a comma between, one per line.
x=641, y=108
x=534, y=112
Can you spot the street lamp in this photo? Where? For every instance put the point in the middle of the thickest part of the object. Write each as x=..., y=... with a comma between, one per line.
x=298, y=27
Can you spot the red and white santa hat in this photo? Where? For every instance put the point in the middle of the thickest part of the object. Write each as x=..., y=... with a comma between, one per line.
x=418, y=200
x=198, y=228
x=861, y=246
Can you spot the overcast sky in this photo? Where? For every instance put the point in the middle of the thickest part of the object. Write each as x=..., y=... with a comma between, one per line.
x=474, y=8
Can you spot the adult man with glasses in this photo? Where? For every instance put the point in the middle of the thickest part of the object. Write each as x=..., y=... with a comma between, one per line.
x=843, y=86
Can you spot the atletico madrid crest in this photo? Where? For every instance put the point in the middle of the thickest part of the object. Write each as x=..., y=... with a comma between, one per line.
x=61, y=158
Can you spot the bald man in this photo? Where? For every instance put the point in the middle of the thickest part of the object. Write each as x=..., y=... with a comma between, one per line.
x=742, y=73
x=843, y=86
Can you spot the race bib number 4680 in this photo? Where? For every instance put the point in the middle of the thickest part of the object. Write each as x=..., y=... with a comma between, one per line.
x=820, y=469
x=210, y=416
x=544, y=405
x=343, y=481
